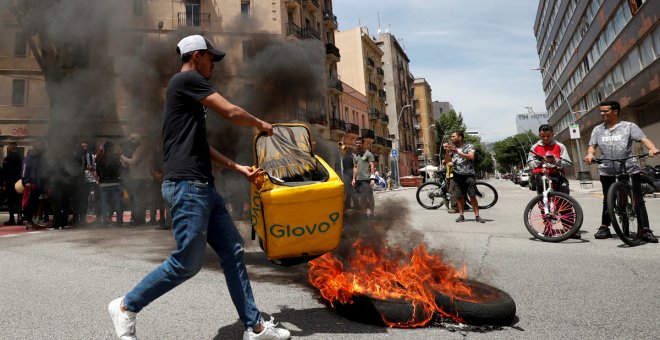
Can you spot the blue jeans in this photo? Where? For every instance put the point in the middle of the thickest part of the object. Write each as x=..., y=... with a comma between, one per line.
x=111, y=202
x=199, y=215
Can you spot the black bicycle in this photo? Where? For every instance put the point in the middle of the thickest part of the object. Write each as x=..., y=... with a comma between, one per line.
x=552, y=216
x=433, y=195
x=622, y=204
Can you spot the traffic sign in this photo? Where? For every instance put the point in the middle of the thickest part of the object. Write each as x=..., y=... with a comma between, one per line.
x=395, y=153
x=574, y=130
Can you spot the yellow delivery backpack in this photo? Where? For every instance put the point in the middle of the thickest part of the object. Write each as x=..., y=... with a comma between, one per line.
x=297, y=210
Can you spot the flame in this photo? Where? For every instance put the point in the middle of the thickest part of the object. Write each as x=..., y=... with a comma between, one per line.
x=390, y=273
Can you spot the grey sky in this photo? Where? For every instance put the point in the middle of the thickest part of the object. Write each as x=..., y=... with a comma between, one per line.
x=475, y=54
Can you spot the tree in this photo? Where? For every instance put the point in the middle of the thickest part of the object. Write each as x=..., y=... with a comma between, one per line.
x=511, y=153
x=451, y=121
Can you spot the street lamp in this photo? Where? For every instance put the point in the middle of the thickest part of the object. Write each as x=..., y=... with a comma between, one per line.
x=570, y=109
x=398, y=142
x=523, y=149
x=426, y=172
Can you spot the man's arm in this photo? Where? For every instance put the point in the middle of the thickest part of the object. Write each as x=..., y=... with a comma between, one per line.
x=235, y=114
x=372, y=169
x=649, y=145
x=137, y=156
x=250, y=173
x=591, y=151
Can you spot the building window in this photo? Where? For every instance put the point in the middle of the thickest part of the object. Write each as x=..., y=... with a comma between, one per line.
x=20, y=45
x=635, y=5
x=247, y=50
x=138, y=8
x=193, y=13
x=18, y=95
x=245, y=8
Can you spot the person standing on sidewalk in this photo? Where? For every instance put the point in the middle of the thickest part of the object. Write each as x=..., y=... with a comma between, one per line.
x=462, y=156
x=11, y=173
x=364, y=177
x=199, y=214
x=615, y=138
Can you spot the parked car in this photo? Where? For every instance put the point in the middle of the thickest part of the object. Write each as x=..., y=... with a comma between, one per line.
x=524, y=178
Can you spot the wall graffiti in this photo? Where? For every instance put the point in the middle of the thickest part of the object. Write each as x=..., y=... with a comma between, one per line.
x=19, y=132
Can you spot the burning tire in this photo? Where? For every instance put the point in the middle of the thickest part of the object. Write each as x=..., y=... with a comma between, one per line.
x=487, y=305
x=391, y=312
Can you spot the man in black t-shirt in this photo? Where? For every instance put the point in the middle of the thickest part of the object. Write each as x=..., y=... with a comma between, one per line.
x=199, y=215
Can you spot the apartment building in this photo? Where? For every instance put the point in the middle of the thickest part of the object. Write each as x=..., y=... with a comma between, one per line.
x=596, y=50
x=360, y=69
x=398, y=83
x=262, y=40
x=441, y=107
x=424, y=123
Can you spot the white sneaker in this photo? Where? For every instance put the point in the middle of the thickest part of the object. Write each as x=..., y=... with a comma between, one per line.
x=270, y=332
x=124, y=321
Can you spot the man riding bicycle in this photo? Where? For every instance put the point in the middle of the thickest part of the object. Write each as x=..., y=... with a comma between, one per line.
x=555, y=153
x=615, y=139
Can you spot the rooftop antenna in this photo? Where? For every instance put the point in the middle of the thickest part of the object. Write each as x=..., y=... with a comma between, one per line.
x=378, y=14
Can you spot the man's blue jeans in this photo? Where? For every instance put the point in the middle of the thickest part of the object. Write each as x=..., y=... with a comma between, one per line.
x=111, y=202
x=199, y=215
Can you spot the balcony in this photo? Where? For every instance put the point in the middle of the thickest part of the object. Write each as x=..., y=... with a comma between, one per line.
x=294, y=30
x=388, y=143
x=185, y=19
x=381, y=141
x=318, y=120
x=374, y=115
x=337, y=124
x=332, y=52
x=330, y=19
x=382, y=94
x=310, y=33
x=368, y=133
x=293, y=4
x=380, y=72
x=311, y=5
x=384, y=117
x=353, y=128
x=370, y=63
x=335, y=85
x=372, y=88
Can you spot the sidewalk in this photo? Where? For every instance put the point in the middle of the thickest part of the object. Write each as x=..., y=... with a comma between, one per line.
x=593, y=188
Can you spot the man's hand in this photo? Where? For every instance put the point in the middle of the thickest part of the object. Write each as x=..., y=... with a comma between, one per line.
x=588, y=158
x=653, y=152
x=251, y=173
x=353, y=183
x=267, y=128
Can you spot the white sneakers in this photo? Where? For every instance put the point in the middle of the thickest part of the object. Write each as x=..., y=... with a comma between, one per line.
x=270, y=332
x=124, y=321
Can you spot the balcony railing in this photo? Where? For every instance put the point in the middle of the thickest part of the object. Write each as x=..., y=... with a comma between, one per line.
x=330, y=48
x=380, y=71
x=382, y=94
x=337, y=124
x=335, y=83
x=294, y=30
x=353, y=128
x=319, y=120
x=310, y=33
x=381, y=141
x=368, y=133
x=385, y=118
x=374, y=115
x=186, y=19
x=329, y=17
x=370, y=62
x=373, y=87
x=388, y=143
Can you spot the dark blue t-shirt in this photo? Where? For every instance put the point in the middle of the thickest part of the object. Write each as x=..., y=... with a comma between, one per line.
x=185, y=147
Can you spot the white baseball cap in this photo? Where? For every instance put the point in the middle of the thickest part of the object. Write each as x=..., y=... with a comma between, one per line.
x=193, y=43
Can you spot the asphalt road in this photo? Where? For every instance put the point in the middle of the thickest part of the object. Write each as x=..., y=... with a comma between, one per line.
x=57, y=284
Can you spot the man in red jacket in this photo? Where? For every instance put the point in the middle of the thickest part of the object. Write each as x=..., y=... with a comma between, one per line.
x=555, y=153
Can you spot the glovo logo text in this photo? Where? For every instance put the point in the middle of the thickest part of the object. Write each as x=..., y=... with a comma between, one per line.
x=280, y=231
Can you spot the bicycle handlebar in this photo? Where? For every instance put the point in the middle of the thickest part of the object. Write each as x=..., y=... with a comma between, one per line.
x=601, y=160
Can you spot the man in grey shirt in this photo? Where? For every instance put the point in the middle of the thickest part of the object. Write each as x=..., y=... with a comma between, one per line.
x=462, y=154
x=615, y=138
x=364, y=177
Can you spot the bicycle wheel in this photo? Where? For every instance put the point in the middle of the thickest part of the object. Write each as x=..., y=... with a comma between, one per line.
x=486, y=195
x=620, y=206
x=564, y=219
x=430, y=195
